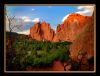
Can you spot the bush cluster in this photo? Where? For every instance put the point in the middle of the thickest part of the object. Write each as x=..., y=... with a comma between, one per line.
x=38, y=53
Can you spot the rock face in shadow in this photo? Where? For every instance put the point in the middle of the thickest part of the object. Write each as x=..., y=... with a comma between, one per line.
x=42, y=31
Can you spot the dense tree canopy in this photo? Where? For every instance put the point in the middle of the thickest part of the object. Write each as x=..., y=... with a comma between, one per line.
x=38, y=53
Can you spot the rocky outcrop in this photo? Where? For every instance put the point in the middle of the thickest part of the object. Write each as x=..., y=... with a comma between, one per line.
x=76, y=28
x=79, y=30
x=71, y=27
x=84, y=42
x=42, y=31
x=67, y=31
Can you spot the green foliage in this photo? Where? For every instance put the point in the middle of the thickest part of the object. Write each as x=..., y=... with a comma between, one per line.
x=75, y=65
x=38, y=53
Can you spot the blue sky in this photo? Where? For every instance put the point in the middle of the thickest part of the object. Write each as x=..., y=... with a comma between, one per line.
x=51, y=14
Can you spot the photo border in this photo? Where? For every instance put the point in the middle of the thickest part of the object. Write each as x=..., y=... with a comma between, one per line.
x=50, y=71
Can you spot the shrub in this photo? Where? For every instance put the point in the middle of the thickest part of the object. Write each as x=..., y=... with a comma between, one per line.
x=75, y=65
x=38, y=53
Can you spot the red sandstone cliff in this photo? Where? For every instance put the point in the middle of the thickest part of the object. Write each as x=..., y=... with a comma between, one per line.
x=67, y=31
x=84, y=42
x=71, y=27
x=76, y=28
x=42, y=31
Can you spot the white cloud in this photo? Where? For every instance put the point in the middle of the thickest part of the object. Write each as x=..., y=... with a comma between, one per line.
x=64, y=18
x=33, y=9
x=24, y=17
x=27, y=19
x=85, y=7
x=24, y=20
x=36, y=20
x=50, y=6
x=83, y=10
x=15, y=22
x=26, y=32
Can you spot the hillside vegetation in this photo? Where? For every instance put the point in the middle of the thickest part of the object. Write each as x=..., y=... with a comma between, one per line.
x=34, y=53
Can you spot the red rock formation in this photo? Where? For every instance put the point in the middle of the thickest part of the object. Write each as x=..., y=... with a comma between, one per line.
x=71, y=27
x=68, y=31
x=80, y=31
x=42, y=31
x=84, y=42
x=76, y=28
x=35, y=31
